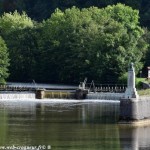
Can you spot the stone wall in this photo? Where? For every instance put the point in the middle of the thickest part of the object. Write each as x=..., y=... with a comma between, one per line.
x=105, y=96
x=135, y=109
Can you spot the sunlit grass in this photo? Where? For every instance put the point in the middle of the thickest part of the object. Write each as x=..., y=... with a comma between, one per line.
x=144, y=92
x=139, y=86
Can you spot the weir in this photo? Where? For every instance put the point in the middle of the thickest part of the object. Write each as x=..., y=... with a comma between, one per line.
x=55, y=94
x=118, y=93
x=132, y=107
x=17, y=95
x=105, y=96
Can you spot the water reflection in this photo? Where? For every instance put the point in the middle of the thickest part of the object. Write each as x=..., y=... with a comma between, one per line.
x=135, y=138
x=68, y=126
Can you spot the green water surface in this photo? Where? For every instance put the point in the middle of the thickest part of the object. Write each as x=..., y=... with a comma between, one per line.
x=68, y=126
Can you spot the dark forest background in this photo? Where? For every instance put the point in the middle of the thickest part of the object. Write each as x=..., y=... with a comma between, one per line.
x=42, y=9
x=45, y=41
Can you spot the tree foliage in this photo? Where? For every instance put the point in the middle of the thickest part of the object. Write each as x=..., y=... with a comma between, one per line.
x=74, y=44
x=97, y=43
x=23, y=49
x=10, y=22
x=42, y=9
x=4, y=61
x=12, y=26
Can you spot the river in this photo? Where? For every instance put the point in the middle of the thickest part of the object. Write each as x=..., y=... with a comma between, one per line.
x=68, y=125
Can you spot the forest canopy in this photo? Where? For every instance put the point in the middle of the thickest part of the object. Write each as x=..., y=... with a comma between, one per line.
x=74, y=43
x=42, y=9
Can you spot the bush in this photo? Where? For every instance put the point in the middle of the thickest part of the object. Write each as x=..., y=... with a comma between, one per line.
x=123, y=79
x=138, y=81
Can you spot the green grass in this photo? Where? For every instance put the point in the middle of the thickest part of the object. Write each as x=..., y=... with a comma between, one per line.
x=141, y=91
x=141, y=80
x=138, y=82
x=144, y=92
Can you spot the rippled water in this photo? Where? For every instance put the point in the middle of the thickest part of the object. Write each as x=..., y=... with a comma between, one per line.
x=68, y=125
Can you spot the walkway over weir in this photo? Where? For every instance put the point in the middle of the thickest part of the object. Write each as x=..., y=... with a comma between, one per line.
x=114, y=88
x=33, y=87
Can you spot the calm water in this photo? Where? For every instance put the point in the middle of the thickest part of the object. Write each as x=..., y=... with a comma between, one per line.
x=76, y=125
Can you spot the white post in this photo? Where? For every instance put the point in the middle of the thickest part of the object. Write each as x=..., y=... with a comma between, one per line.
x=131, y=90
x=148, y=72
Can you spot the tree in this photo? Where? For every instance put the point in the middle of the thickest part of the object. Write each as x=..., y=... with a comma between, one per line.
x=42, y=9
x=74, y=44
x=24, y=52
x=13, y=28
x=4, y=61
x=134, y=44
x=94, y=43
x=9, y=22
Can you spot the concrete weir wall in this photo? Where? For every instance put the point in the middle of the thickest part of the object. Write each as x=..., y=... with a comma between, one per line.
x=135, y=109
x=54, y=94
x=17, y=95
x=105, y=96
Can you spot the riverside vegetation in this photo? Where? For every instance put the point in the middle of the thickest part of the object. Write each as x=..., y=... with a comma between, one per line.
x=71, y=44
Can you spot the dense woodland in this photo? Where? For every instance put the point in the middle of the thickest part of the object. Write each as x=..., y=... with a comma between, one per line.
x=64, y=41
x=42, y=9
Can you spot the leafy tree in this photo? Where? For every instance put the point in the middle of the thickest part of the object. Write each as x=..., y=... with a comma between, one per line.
x=134, y=42
x=12, y=28
x=97, y=43
x=10, y=22
x=24, y=52
x=4, y=61
x=73, y=44
x=42, y=9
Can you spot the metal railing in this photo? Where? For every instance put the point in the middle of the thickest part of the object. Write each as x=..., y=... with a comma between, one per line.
x=114, y=88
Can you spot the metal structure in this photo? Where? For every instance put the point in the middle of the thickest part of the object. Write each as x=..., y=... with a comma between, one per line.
x=114, y=88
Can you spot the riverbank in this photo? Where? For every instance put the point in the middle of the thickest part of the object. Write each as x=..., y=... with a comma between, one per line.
x=145, y=92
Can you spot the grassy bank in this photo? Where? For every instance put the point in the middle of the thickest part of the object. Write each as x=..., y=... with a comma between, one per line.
x=139, y=86
x=144, y=92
